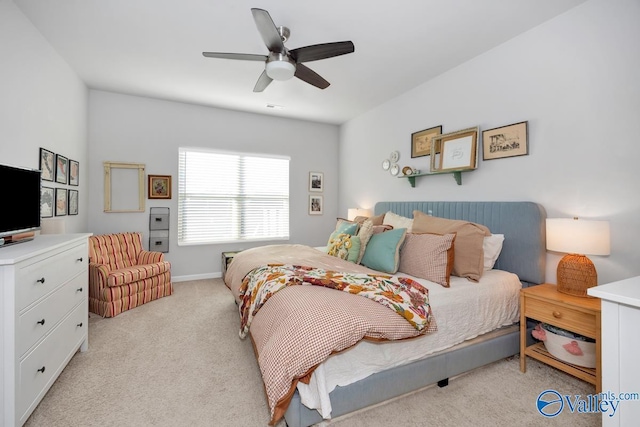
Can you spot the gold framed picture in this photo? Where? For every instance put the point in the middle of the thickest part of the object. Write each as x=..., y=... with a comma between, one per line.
x=159, y=186
x=421, y=141
x=455, y=151
x=505, y=141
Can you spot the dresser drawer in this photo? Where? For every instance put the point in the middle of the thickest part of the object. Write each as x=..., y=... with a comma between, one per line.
x=561, y=316
x=39, y=368
x=37, y=279
x=40, y=319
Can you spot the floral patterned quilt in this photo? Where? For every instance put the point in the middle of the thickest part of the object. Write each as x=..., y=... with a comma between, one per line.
x=404, y=296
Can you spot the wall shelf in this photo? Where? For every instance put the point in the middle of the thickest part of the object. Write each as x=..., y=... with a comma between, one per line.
x=457, y=175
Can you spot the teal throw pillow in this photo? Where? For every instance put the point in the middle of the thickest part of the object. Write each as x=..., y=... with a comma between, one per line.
x=383, y=250
x=347, y=227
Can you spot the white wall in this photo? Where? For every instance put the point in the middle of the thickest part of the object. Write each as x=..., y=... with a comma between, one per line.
x=133, y=129
x=575, y=80
x=43, y=103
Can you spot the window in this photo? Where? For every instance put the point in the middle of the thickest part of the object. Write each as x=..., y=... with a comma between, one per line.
x=229, y=197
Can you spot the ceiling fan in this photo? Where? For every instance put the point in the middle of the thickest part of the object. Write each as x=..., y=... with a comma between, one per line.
x=282, y=63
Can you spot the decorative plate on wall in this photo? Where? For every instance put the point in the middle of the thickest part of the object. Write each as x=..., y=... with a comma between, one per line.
x=394, y=169
x=386, y=164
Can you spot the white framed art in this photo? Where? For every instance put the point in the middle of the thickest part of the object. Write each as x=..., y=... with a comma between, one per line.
x=316, y=181
x=315, y=205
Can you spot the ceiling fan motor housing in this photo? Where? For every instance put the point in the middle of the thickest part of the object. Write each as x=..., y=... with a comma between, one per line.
x=280, y=66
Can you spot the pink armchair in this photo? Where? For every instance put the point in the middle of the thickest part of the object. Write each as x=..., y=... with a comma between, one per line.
x=122, y=275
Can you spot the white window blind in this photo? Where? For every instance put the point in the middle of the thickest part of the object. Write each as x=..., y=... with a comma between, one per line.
x=228, y=197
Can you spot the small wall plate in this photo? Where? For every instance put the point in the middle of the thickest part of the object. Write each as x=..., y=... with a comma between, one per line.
x=386, y=164
x=395, y=156
x=394, y=169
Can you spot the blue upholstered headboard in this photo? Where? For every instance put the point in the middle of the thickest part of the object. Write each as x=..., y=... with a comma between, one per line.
x=522, y=223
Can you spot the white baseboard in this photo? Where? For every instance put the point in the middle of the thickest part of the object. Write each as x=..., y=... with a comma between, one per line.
x=214, y=275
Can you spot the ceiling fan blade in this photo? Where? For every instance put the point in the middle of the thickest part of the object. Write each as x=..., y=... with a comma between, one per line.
x=268, y=30
x=306, y=74
x=321, y=51
x=263, y=82
x=242, y=56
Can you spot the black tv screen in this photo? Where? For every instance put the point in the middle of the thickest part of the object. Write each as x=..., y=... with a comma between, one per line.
x=21, y=195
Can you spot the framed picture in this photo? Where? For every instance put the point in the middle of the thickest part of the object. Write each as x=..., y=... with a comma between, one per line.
x=315, y=205
x=73, y=202
x=47, y=163
x=74, y=172
x=61, y=201
x=159, y=186
x=316, y=181
x=62, y=165
x=505, y=141
x=421, y=141
x=455, y=151
x=46, y=202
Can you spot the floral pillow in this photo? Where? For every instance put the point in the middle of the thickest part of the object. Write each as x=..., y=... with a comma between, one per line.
x=344, y=246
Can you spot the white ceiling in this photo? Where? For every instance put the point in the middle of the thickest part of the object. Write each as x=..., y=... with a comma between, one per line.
x=154, y=47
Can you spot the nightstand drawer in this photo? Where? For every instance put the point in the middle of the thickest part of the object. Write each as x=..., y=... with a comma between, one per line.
x=563, y=317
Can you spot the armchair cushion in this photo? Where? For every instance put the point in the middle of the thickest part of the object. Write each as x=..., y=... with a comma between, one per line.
x=135, y=273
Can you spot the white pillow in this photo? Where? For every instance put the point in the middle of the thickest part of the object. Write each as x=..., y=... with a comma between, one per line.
x=492, y=245
x=397, y=221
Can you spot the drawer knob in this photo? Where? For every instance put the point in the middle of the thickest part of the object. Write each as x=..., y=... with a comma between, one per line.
x=79, y=290
x=79, y=324
x=40, y=322
x=557, y=314
x=41, y=369
x=79, y=259
x=41, y=280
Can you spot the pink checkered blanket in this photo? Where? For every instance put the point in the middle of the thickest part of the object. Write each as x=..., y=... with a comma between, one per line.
x=303, y=325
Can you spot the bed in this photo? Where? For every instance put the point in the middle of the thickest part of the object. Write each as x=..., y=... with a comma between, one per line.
x=522, y=255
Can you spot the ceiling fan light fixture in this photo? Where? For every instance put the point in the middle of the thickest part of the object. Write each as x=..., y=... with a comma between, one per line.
x=280, y=67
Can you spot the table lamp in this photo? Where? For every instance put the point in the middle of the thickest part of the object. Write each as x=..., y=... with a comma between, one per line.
x=577, y=237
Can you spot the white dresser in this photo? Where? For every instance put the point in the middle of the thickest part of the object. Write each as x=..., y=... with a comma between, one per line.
x=43, y=317
x=620, y=347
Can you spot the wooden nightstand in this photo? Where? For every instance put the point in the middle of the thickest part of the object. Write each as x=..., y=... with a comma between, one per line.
x=576, y=314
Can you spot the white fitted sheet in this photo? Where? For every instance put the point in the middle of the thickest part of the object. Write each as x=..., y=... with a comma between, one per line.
x=463, y=311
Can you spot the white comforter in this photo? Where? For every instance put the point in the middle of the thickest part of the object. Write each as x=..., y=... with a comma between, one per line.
x=463, y=311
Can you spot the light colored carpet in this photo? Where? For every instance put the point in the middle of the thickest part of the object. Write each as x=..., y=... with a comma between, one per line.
x=178, y=361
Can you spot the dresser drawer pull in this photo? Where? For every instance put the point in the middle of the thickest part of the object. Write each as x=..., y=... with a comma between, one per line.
x=557, y=314
x=40, y=280
x=79, y=290
x=41, y=369
x=79, y=324
x=40, y=322
x=79, y=259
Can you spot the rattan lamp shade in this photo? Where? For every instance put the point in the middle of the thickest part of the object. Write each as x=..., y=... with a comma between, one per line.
x=576, y=273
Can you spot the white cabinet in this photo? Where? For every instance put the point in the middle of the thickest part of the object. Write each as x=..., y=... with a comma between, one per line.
x=43, y=315
x=620, y=348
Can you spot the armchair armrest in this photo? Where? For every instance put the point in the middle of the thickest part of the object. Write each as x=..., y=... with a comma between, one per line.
x=149, y=257
x=98, y=274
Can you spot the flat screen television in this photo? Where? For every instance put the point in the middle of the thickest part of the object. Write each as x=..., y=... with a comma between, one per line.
x=21, y=200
